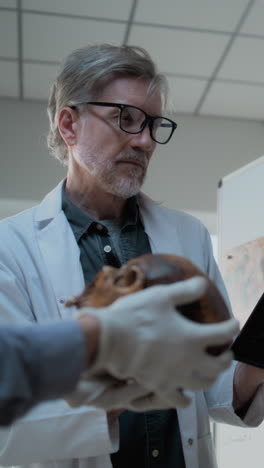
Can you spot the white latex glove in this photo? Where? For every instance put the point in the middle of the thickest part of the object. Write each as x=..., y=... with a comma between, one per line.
x=109, y=394
x=144, y=338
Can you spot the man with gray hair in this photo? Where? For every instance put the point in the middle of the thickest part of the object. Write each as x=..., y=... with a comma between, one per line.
x=106, y=118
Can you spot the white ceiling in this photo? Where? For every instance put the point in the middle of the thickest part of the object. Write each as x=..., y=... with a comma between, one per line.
x=212, y=51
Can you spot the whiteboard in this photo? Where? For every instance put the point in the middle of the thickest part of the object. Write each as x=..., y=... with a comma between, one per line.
x=240, y=222
x=240, y=201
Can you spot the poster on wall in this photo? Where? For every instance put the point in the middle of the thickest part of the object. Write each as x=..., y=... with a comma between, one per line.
x=243, y=271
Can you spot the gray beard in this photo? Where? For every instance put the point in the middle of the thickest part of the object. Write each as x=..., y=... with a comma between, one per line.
x=127, y=185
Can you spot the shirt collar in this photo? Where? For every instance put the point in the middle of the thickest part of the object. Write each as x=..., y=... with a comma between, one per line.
x=82, y=222
x=130, y=214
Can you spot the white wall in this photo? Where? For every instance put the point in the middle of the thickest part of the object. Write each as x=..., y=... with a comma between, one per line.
x=184, y=174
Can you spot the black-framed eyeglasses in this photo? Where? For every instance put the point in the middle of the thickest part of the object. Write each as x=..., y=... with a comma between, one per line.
x=133, y=120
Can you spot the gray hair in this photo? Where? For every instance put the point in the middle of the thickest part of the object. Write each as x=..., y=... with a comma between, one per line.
x=84, y=74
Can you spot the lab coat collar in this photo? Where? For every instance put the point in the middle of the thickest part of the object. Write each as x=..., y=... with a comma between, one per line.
x=59, y=250
x=50, y=206
x=161, y=232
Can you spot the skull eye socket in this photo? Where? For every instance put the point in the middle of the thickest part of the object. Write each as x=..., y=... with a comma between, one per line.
x=129, y=277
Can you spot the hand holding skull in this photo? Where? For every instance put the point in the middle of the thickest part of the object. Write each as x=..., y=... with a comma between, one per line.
x=149, y=343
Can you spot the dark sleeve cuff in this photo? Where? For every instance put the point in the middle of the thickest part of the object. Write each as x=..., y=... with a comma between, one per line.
x=38, y=362
x=54, y=357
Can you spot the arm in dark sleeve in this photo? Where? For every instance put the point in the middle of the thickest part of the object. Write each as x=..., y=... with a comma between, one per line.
x=38, y=362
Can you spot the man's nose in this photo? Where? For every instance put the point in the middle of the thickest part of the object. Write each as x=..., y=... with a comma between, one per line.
x=143, y=140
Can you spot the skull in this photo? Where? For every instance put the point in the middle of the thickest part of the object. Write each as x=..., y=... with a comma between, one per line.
x=149, y=270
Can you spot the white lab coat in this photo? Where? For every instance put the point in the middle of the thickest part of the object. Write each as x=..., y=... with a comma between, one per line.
x=39, y=270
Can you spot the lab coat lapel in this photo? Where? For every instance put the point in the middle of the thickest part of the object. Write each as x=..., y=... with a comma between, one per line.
x=59, y=250
x=188, y=429
x=164, y=238
x=161, y=233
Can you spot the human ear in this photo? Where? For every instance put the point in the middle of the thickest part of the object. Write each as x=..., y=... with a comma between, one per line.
x=67, y=125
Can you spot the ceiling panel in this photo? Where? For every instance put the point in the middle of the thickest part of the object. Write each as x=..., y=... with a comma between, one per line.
x=184, y=93
x=187, y=48
x=206, y=14
x=8, y=3
x=9, y=79
x=235, y=100
x=38, y=80
x=52, y=38
x=244, y=61
x=114, y=9
x=181, y=51
x=8, y=34
x=254, y=23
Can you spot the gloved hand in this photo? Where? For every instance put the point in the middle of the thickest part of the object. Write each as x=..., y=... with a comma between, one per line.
x=109, y=394
x=143, y=337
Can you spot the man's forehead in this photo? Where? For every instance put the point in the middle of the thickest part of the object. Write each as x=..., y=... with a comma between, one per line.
x=132, y=90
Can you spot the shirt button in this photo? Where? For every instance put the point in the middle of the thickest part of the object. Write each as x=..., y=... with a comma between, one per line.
x=190, y=441
x=155, y=453
x=107, y=248
x=99, y=227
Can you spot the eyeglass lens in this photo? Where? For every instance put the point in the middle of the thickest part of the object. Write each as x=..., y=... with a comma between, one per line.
x=132, y=120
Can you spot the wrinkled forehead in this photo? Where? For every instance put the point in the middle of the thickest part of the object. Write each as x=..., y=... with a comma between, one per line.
x=128, y=89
